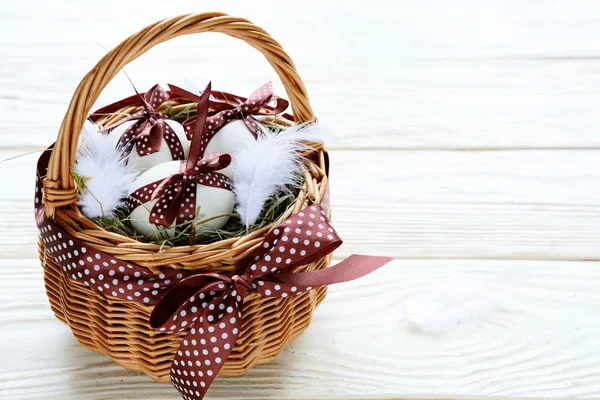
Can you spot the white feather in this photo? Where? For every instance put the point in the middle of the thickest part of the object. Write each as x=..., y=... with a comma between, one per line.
x=104, y=168
x=442, y=305
x=263, y=167
x=308, y=132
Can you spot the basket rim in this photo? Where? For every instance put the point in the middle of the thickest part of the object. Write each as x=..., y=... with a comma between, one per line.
x=223, y=256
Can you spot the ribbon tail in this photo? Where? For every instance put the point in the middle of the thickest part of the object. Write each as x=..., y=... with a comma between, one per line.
x=188, y=126
x=173, y=142
x=126, y=142
x=186, y=212
x=164, y=185
x=149, y=137
x=253, y=127
x=196, y=149
x=204, y=350
x=164, y=212
x=353, y=267
x=156, y=134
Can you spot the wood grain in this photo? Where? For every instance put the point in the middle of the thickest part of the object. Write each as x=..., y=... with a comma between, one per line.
x=534, y=337
x=445, y=204
x=469, y=149
x=429, y=76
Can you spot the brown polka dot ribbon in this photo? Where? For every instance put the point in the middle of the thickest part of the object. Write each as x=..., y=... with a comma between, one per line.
x=94, y=268
x=255, y=105
x=209, y=306
x=206, y=306
x=150, y=128
x=176, y=194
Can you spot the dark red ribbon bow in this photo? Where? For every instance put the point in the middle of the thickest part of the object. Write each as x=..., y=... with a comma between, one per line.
x=177, y=193
x=256, y=104
x=150, y=128
x=209, y=306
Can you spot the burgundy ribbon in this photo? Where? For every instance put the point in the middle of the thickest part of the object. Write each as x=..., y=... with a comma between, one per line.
x=176, y=194
x=222, y=101
x=255, y=105
x=207, y=306
x=93, y=268
x=150, y=128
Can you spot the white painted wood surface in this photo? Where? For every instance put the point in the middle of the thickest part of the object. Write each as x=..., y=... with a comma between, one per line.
x=470, y=151
x=442, y=204
x=528, y=328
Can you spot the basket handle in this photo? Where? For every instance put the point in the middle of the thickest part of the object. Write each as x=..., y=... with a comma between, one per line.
x=59, y=187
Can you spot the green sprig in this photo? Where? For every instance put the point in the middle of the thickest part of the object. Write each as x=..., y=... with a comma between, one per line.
x=182, y=115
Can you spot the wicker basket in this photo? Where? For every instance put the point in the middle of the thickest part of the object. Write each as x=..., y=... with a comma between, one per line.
x=119, y=328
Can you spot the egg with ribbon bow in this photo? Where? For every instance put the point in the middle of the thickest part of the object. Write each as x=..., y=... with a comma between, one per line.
x=171, y=195
x=232, y=126
x=148, y=137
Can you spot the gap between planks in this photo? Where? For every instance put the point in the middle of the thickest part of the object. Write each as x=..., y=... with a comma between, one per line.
x=444, y=329
x=497, y=205
x=26, y=150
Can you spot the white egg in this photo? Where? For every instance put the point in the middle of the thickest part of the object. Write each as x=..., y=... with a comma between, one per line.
x=211, y=201
x=163, y=155
x=229, y=138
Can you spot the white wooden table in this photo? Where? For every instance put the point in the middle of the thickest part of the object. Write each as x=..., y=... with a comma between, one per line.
x=480, y=120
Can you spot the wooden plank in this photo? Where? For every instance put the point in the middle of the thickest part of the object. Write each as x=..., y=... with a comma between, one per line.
x=421, y=204
x=426, y=329
x=422, y=105
x=429, y=28
x=417, y=76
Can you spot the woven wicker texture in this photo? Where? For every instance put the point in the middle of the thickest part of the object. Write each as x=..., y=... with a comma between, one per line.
x=120, y=328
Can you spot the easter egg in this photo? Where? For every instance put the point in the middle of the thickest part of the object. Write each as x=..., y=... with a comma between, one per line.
x=229, y=138
x=210, y=201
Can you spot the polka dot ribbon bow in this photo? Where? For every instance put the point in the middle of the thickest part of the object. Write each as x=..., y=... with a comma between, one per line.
x=150, y=128
x=208, y=306
x=246, y=110
x=176, y=194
